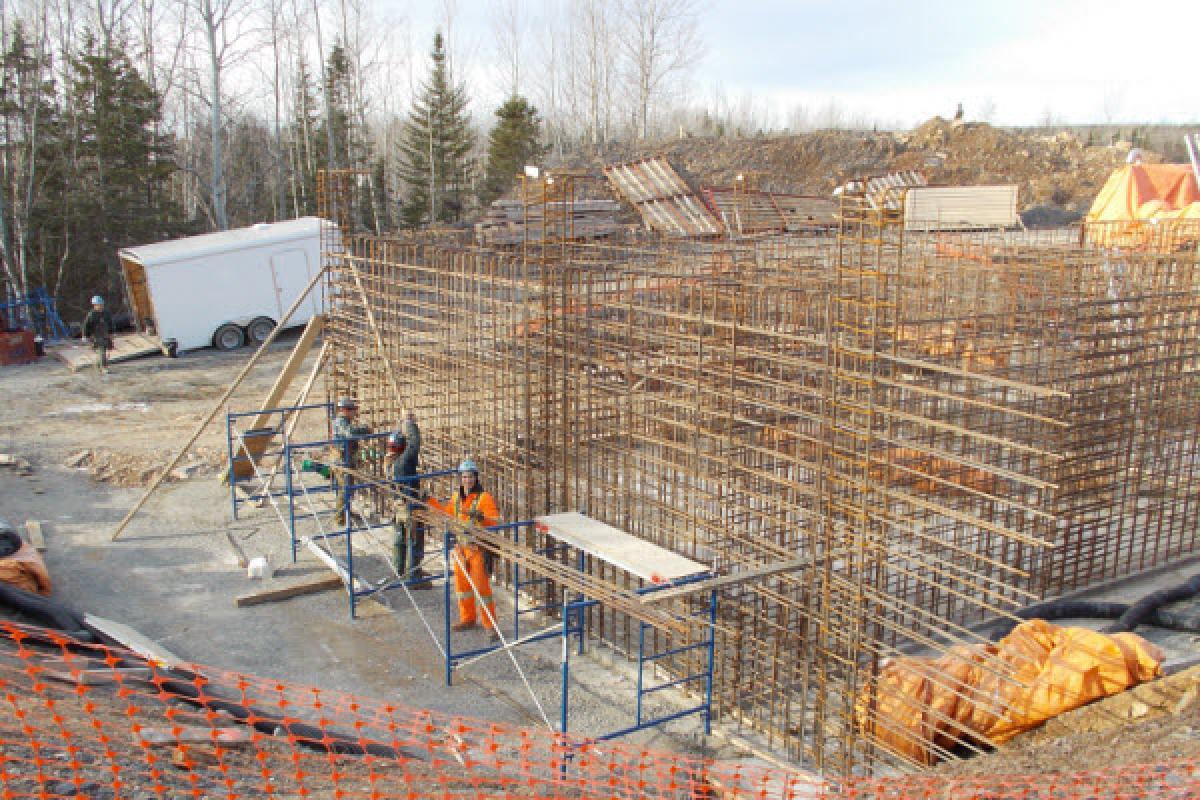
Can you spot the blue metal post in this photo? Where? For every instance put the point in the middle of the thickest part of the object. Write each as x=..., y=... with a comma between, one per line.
x=582, y=610
x=232, y=474
x=291, y=493
x=566, y=662
x=349, y=483
x=641, y=667
x=447, y=572
x=516, y=589
x=712, y=655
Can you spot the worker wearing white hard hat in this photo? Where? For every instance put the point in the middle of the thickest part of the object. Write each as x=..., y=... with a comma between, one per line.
x=98, y=329
x=471, y=504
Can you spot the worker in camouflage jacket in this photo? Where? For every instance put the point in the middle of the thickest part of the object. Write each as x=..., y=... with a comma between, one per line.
x=98, y=329
x=400, y=464
x=346, y=432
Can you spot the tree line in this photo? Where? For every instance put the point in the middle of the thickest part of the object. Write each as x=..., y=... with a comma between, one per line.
x=125, y=122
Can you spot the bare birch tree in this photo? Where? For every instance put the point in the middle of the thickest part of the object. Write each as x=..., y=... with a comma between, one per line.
x=661, y=41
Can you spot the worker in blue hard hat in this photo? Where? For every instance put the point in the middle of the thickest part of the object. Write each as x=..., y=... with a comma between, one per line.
x=400, y=464
x=471, y=504
x=98, y=329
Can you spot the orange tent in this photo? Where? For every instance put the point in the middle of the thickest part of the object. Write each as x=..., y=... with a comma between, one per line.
x=1136, y=197
x=1141, y=191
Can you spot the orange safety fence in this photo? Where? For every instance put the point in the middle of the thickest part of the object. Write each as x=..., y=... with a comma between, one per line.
x=90, y=721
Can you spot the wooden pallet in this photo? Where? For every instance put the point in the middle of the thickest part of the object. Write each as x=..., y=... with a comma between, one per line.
x=134, y=345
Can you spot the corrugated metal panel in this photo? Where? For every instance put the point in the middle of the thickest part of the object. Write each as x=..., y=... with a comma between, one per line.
x=960, y=207
x=665, y=201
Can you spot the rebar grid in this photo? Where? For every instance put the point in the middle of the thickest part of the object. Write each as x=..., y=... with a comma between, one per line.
x=950, y=426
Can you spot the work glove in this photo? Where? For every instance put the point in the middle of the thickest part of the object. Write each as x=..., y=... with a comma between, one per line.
x=476, y=517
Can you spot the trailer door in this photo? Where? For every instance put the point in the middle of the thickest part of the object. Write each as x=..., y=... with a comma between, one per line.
x=291, y=272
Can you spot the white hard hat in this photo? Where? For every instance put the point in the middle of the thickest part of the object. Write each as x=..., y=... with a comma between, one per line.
x=97, y=300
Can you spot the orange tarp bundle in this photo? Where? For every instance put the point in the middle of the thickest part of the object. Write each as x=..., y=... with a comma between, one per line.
x=25, y=570
x=1140, y=194
x=1139, y=191
x=920, y=707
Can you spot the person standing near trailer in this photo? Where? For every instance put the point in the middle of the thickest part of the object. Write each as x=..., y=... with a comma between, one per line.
x=98, y=328
x=400, y=464
x=346, y=432
x=473, y=505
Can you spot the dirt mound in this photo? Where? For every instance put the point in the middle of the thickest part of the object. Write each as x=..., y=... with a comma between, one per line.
x=132, y=470
x=1152, y=722
x=1055, y=170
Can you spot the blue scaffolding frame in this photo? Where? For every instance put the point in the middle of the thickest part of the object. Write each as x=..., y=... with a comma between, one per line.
x=573, y=623
x=346, y=530
x=237, y=455
x=573, y=613
x=39, y=311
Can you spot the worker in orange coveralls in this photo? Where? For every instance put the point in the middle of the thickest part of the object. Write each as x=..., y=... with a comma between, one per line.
x=473, y=505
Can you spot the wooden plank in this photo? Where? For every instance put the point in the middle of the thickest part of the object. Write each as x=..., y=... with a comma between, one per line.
x=254, y=447
x=242, y=561
x=195, y=734
x=97, y=677
x=127, y=636
x=33, y=531
x=276, y=593
x=217, y=406
x=624, y=550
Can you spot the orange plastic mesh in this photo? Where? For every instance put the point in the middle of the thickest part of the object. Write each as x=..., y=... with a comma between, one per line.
x=94, y=722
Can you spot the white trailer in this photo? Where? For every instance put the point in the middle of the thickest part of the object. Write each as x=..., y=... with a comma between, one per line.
x=224, y=289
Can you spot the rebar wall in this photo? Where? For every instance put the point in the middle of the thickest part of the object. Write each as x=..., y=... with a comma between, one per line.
x=947, y=427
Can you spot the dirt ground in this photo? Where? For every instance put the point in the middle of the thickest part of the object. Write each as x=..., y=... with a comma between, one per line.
x=93, y=441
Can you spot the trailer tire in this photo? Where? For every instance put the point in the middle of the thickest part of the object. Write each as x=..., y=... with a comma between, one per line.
x=229, y=337
x=259, y=329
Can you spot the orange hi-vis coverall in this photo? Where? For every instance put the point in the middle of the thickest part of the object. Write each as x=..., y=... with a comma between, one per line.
x=469, y=557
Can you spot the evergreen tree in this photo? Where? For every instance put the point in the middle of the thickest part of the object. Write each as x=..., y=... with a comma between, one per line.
x=514, y=141
x=304, y=152
x=120, y=168
x=434, y=144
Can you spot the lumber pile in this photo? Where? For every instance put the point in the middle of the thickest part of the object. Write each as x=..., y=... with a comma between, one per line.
x=512, y=222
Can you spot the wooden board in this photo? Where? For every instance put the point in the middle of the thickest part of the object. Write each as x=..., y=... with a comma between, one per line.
x=195, y=734
x=33, y=530
x=275, y=593
x=125, y=347
x=98, y=677
x=253, y=447
x=144, y=647
x=636, y=556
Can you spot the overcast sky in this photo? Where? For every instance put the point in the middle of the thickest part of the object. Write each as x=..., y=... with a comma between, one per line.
x=906, y=60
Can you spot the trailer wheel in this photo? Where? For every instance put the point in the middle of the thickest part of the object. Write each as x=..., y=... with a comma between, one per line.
x=259, y=329
x=229, y=337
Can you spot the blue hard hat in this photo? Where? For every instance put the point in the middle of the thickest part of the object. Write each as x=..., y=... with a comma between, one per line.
x=468, y=466
x=97, y=300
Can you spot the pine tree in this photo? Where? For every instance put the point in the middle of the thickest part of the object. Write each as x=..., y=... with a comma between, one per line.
x=434, y=144
x=514, y=141
x=121, y=167
x=304, y=151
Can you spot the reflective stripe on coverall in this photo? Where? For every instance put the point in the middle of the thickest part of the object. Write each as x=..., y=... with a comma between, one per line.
x=468, y=559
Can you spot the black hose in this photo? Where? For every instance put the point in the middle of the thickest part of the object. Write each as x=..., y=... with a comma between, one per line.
x=1140, y=611
x=182, y=683
x=48, y=612
x=1146, y=611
